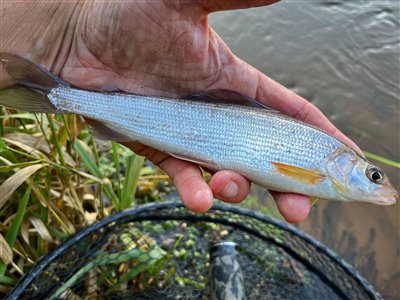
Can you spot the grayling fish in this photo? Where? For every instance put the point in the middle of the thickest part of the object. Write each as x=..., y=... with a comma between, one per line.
x=215, y=130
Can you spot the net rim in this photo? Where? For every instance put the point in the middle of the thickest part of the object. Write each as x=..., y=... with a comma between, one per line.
x=133, y=214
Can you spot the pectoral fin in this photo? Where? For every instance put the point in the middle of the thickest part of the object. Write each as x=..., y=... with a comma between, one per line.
x=209, y=164
x=105, y=132
x=300, y=174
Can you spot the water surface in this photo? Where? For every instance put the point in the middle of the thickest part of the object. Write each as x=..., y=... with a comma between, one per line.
x=344, y=56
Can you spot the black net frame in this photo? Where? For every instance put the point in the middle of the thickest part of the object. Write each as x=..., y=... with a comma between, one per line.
x=341, y=278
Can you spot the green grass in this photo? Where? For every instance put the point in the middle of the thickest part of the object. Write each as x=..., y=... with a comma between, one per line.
x=55, y=179
x=381, y=159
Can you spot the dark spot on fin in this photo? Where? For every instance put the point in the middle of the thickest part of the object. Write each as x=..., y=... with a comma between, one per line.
x=227, y=97
x=299, y=174
x=102, y=131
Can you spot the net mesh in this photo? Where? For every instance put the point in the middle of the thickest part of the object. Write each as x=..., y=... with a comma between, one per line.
x=161, y=251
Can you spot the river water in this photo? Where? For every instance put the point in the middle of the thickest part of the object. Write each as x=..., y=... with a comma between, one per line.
x=344, y=56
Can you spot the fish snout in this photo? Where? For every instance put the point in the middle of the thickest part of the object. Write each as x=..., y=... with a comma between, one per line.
x=387, y=197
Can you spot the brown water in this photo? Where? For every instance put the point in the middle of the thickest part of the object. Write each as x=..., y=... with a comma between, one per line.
x=344, y=56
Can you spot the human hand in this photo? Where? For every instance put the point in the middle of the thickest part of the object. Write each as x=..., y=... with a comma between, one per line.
x=166, y=48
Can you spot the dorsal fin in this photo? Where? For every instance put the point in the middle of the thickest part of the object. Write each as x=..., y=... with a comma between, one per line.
x=227, y=97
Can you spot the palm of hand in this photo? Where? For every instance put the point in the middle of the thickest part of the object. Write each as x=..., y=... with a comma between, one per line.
x=176, y=58
x=148, y=49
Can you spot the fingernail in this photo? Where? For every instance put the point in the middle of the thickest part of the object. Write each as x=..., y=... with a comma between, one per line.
x=230, y=190
x=203, y=195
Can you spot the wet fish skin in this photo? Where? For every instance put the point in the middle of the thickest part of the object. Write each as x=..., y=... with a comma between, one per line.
x=267, y=147
x=219, y=136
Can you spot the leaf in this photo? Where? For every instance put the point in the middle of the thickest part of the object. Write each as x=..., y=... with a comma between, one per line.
x=69, y=160
x=4, y=152
x=62, y=219
x=30, y=140
x=5, y=161
x=133, y=164
x=28, y=116
x=12, y=183
x=28, y=149
x=91, y=177
x=6, y=254
x=41, y=229
x=6, y=280
x=25, y=231
x=88, y=161
x=12, y=232
x=39, y=195
x=95, y=170
x=114, y=147
x=11, y=167
x=70, y=128
x=91, y=217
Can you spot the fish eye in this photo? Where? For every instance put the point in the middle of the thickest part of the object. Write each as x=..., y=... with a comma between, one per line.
x=374, y=174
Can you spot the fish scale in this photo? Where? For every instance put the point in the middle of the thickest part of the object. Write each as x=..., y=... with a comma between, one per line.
x=210, y=133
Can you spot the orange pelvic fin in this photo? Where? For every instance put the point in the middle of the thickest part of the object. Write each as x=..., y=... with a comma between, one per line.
x=313, y=200
x=300, y=174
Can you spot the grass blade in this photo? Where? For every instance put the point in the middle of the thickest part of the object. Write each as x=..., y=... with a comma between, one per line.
x=56, y=142
x=95, y=170
x=6, y=254
x=87, y=160
x=12, y=232
x=114, y=146
x=4, y=152
x=8, y=168
x=13, y=182
x=382, y=159
x=133, y=165
x=41, y=229
x=6, y=280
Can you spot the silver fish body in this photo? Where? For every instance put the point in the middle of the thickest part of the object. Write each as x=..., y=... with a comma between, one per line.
x=221, y=137
x=269, y=148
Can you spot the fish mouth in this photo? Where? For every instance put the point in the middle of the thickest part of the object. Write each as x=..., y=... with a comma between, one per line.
x=387, y=201
x=388, y=197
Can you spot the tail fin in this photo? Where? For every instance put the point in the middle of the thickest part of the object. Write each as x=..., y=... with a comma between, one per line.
x=33, y=84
